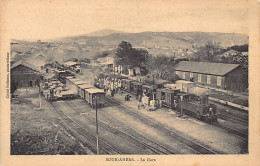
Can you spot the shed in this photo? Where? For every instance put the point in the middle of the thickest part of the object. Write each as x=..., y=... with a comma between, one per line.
x=220, y=75
x=24, y=74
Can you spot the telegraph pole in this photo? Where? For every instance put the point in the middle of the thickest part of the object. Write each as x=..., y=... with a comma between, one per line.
x=97, y=125
x=40, y=93
x=153, y=86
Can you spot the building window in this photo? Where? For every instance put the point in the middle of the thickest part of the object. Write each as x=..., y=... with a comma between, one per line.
x=199, y=77
x=208, y=79
x=219, y=81
x=191, y=75
x=178, y=73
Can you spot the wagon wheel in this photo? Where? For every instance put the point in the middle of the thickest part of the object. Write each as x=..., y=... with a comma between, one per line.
x=198, y=116
x=209, y=120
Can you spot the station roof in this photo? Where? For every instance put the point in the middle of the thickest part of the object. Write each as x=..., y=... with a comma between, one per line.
x=26, y=64
x=206, y=67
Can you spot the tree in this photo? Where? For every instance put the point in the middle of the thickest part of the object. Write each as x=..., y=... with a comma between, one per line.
x=208, y=52
x=127, y=55
x=161, y=66
x=102, y=54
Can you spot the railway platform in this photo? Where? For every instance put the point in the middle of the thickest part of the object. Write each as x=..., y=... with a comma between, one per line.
x=209, y=135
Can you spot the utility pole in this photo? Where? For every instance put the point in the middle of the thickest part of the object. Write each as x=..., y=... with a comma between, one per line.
x=181, y=99
x=114, y=78
x=153, y=86
x=97, y=124
x=39, y=83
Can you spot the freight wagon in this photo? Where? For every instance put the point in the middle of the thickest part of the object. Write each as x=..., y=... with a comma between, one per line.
x=82, y=89
x=168, y=96
x=95, y=97
x=137, y=87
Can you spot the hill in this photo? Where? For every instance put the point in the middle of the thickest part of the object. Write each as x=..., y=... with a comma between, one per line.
x=161, y=39
x=104, y=32
x=87, y=46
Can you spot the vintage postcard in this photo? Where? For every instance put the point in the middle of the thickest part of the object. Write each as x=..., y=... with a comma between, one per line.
x=130, y=82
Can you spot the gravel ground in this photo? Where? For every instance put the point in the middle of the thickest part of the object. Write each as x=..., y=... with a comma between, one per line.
x=202, y=132
x=37, y=131
x=72, y=111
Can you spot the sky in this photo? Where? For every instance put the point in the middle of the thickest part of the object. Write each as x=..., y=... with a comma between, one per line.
x=49, y=19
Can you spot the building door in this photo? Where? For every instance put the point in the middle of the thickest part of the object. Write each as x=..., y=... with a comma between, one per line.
x=30, y=83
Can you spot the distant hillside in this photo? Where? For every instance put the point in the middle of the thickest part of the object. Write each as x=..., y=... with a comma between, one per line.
x=104, y=32
x=163, y=39
x=156, y=43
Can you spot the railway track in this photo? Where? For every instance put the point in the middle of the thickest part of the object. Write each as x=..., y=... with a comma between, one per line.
x=234, y=115
x=135, y=138
x=231, y=117
x=234, y=118
x=105, y=148
x=229, y=130
x=195, y=146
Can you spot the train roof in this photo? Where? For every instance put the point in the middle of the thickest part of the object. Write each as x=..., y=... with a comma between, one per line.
x=127, y=80
x=79, y=82
x=68, y=92
x=148, y=86
x=70, y=77
x=170, y=90
x=74, y=79
x=138, y=83
x=85, y=86
x=199, y=91
x=184, y=81
x=94, y=90
x=183, y=94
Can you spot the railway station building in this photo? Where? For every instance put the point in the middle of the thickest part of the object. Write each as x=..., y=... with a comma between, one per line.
x=225, y=76
x=24, y=74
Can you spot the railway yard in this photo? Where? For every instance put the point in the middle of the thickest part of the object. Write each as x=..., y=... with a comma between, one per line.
x=125, y=128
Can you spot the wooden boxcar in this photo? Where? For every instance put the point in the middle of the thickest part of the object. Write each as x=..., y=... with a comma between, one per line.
x=70, y=83
x=168, y=97
x=82, y=89
x=137, y=87
x=76, y=87
x=95, y=97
